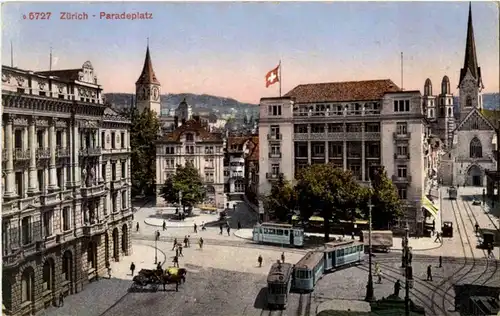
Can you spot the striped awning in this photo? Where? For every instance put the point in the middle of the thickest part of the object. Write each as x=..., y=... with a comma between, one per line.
x=431, y=208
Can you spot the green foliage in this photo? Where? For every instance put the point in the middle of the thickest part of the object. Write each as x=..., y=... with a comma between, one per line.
x=385, y=200
x=282, y=200
x=188, y=181
x=143, y=135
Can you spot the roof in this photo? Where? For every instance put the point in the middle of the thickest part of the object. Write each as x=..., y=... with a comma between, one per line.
x=343, y=91
x=67, y=74
x=268, y=224
x=279, y=273
x=111, y=115
x=193, y=126
x=147, y=74
x=470, y=59
x=310, y=260
x=493, y=116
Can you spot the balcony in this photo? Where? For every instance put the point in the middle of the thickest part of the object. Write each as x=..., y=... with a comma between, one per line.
x=209, y=167
x=396, y=179
x=115, y=185
x=20, y=154
x=209, y=180
x=273, y=175
x=402, y=157
x=274, y=137
x=12, y=259
x=62, y=152
x=93, y=191
x=42, y=153
x=91, y=151
x=274, y=155
x=49, y=199
x=93, y=229
x=399, y=136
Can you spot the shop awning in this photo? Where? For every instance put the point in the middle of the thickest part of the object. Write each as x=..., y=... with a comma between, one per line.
x=431, y=208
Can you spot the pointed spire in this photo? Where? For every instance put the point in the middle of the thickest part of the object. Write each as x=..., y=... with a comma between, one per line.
x=470, y=60
x=148, y=75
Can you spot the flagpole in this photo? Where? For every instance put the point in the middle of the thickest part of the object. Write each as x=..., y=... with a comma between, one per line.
x=50, y=63
x=279, y=68
x=11, y=55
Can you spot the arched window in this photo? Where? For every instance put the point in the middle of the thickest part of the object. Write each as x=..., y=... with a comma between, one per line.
x=432, y=113
x=441, y=112
x=476, y=150
x=449, y=111
x=468, y=101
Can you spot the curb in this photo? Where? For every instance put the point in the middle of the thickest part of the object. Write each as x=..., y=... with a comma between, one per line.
x=245, y=238
x=161, y=225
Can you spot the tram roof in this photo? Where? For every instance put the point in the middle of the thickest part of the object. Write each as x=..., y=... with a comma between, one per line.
x=268, y=224
x=279, y=273
x=310, y=260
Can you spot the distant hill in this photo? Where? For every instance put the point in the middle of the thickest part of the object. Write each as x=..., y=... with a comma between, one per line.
x=199, y=102
x=491, y=101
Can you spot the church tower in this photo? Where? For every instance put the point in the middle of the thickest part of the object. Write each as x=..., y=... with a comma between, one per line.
x=470, y=83
x=445, y=115
x=147, y=88
x=429, y=99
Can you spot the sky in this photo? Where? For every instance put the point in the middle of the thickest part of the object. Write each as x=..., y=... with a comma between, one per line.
x=226, y=49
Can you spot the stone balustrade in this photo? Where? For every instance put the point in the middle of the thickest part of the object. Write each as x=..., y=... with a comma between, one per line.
x=93, y=229
x=92, y=191
x=43, y=153
x=22, y=154
x=62, y=152
x=90, y=151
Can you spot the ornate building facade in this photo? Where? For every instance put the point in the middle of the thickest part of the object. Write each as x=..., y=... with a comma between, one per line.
x=55, y=223
x=354, y=125
x=473, y=141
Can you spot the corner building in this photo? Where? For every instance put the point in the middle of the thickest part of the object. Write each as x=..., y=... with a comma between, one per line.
x=356, y=126
x=58, y=229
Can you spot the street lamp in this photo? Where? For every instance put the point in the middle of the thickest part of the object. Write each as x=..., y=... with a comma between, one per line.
x=156, y=247
x=407, y=280
x=369, y=287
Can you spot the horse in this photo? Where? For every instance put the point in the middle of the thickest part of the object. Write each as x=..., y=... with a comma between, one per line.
x=174, y=278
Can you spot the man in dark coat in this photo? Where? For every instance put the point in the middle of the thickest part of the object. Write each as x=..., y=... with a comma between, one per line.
x=397, y=288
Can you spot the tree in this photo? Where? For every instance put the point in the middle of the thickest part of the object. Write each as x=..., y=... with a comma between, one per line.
x=188, y=182
x=330, y=192
x=384, y=198
x=143, y=136
x=281, y=201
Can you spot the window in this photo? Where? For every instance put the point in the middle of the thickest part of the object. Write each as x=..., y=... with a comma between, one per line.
x=318, y=149
x=124, y=169
x=124, y=200
x=274, y=110
x=402, y=172
x=123, y=139
x=20, y=184
x=59, y=175
x=20, y=90
x=41, y=180
x=103, y=139
x=449, y=111
x=103, y=172
x=317, y=128
x=275, y=168
x=209, y=163
x=356, y=171
x=170, y=163
x=113, y=140
x=18, y=139
x=190, y=150
x=335, y=128
x=300, y=128
x=401, y=105
x=47, y=223
x=26, y=230
x=402, y=128
x=476, y=150
x=113, y=171
x=39, y=139
x=113, y=200
x=402, y=150
x=209, y=177
x=431, y=113
x=402, y=193
x=353, y=127
x=189, y=137
x=209, y=150
x=239, y=186
x=170, y=150
x=335, y=150
x=373, y=127
x=66, y=218
x=275, y=150
x=275, y=131
x=190, y=161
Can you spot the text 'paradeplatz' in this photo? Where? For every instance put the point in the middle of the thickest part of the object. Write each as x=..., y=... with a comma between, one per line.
x=126, y=16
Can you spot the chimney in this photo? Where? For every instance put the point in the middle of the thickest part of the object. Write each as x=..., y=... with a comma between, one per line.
x=176, y=121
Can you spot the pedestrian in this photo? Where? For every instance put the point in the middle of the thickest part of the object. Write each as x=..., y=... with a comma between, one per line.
x=220, y=227
x=200, y=242
x=378, y=273
x=157, y=235
x=132, y=268
x=259, y=260
x=352, y=235
x=137, y=226
x=158, y=267
x=397, y=288
x=440, y=261
x=175, y=244
x=176, y=261
x=164, y=225
x=429, y=273
x=177, y=251
x=195, y=228
x=228, y=230
x=477, y=227
x=283, y=257
x=438, y=237
x=108, y=267
x=433, y=225
x=239, y=225
x=61, y=299
x=180, y=251
x=410, y=257
x=188, y=242
x=185, y=241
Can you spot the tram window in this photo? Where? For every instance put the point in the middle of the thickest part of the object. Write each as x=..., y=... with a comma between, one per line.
x=272, y=232
x=286, y=232
x=279, y=232
x=265, y=230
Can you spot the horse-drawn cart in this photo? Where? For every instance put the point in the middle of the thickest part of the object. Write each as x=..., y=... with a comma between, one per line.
x=147, y=277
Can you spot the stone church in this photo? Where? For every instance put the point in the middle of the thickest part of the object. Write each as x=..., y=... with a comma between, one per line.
x=467, y=131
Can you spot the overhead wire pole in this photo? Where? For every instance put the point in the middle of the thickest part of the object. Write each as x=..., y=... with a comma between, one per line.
x=279, y=77
x=11, y=55
x=402, y=86
x=50, y=59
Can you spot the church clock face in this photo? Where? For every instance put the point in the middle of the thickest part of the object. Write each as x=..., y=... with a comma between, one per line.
x=156, y=93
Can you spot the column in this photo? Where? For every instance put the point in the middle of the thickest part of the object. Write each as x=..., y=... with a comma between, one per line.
x=326, y=152
x=363, y=154
x=344, y=154
x=64, y=139
x=52, y=163
x=99, y=164
x=32, y=180
x=75, y=155
x=70, y=148
x=9, y=168
x=309, y=153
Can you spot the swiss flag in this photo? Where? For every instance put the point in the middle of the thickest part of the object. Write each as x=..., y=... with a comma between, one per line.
x=272, y=76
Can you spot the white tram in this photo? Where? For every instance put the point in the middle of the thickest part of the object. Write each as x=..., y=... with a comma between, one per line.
x=280, y=234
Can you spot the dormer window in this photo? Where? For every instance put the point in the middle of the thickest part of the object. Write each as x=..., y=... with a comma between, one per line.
x=189, y=137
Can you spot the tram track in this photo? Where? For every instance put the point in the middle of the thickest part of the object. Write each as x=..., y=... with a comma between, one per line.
x=304, y=305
